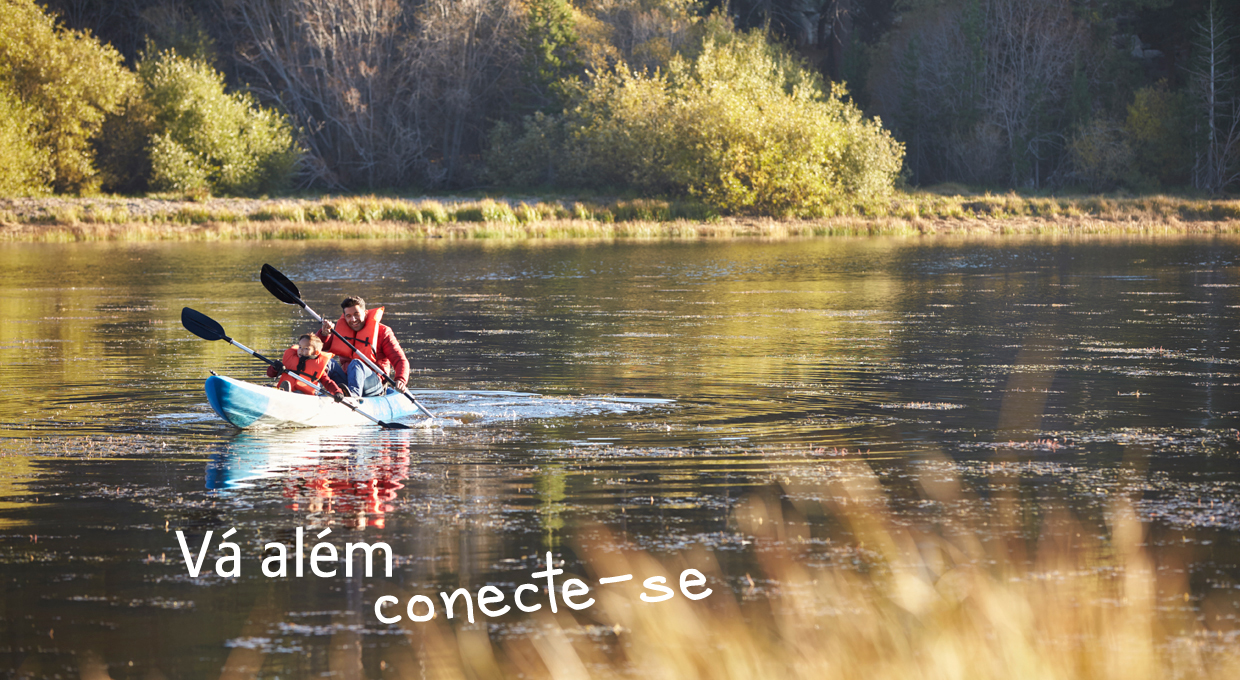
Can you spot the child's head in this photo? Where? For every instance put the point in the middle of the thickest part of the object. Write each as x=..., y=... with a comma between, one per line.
x=309, y=345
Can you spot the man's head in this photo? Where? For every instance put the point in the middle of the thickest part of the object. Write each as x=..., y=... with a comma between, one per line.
x=354, y=312
x=309, y=346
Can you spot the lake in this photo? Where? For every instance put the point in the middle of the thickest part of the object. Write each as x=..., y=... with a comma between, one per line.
x=692, y=402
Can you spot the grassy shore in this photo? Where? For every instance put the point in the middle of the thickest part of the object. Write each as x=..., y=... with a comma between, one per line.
x=61, y=219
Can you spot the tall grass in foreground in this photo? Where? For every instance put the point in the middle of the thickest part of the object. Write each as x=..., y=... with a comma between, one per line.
x=960, y=596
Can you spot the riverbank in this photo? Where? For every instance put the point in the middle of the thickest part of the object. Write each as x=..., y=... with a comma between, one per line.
x=61, y=219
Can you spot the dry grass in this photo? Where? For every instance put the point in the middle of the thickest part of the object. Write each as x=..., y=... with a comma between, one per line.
x=370, y=217
x=972, y=598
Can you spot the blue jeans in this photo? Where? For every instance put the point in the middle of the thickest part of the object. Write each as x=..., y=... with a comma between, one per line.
x=357, y=381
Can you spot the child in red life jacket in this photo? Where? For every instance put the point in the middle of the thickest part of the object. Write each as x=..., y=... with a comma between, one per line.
x=306, y=359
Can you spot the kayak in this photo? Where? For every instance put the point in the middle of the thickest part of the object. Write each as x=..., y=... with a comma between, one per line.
x=247, y=405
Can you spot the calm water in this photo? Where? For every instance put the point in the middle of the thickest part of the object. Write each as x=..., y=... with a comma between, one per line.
x=645, y=391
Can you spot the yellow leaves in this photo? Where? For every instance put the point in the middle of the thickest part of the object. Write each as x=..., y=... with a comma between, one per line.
x=765, y=139
x=1101, y=154
x=24, y=167
x=594, y=41
x=741, y=126
x=69, y=79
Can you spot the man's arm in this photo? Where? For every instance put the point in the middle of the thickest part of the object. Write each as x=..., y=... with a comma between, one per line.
x=390, y=349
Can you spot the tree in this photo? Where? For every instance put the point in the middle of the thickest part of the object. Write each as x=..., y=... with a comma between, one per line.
x=337, y=67
x=25, y=163
x=1213, y=77
x=981, y=85
x=203, y=138
x=551, y=53
x=739, y=125
x=462, y=59
x=1156, y=126
x=67, y=82
x=387, y=93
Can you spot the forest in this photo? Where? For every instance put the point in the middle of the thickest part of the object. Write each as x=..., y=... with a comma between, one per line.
x=774, y=107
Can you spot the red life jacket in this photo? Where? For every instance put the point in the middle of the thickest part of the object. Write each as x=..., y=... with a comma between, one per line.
x=364, y=340
x=310, y=368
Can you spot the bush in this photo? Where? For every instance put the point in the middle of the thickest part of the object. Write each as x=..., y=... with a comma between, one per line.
x=741, y=127
x=344, y=210
x=433, y=212
x=1101, y=155
x=66, y=83
x=760, y=136
x=121, y=146
x=402, y=211
x=486, y=211
x=279, y=212
x=525, y=155
x=206, y=138
x=643, y=210
x=1156, y=127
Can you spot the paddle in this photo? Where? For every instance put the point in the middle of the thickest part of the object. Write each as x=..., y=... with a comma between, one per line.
x=209, y=329
x=286, y=291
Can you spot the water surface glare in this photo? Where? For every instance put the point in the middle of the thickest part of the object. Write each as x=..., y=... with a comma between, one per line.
x=655, y=393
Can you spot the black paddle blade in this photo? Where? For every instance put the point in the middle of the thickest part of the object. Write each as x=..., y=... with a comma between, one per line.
x=395, y=426
x=278, y=285
x=201, y=325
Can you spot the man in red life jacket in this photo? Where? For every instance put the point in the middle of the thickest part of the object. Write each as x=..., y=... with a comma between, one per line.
x=376, y=341
x=307, y=360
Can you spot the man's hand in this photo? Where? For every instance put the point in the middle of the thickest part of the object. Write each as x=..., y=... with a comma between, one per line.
x=400, y=385
x=339, y=397
x=326, y=329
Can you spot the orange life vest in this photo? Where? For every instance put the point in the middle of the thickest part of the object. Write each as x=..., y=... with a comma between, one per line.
x=310, y=368
x=364, y=340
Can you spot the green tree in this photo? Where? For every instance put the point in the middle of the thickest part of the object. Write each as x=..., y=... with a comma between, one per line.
x=121, y=151
x=67, y=83
x=25, y=163
x=741, y=126
x=1155, y=126
x=203, y=138
x=551, y=53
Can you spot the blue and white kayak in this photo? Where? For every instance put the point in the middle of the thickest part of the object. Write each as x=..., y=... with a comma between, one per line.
x=247, y=405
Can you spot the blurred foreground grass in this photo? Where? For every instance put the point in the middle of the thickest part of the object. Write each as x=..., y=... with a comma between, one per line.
x=957, y=599
x=372, y=217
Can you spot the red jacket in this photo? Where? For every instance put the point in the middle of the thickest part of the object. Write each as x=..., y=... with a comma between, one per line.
x=389, y=356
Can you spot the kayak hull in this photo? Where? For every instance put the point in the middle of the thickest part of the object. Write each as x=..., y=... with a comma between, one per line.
x=248, y=406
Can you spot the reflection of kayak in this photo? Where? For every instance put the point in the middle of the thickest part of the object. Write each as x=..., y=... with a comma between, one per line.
x=248, y=405
x=356, y=474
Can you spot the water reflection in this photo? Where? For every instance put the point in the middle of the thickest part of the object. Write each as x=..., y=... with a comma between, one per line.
x=14, y=472
x=351, y=479
x=677, y=397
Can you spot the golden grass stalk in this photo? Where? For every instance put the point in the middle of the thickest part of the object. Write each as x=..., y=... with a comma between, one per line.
x=961, y=601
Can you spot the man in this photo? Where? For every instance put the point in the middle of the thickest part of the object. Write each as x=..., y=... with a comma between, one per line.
x=361, y=327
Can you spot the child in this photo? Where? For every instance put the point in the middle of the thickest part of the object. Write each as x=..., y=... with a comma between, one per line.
x=306, y=359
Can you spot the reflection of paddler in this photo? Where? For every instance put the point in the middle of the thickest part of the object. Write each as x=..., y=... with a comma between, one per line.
x=306, y=359
x=364, y=492
x=372, y=339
